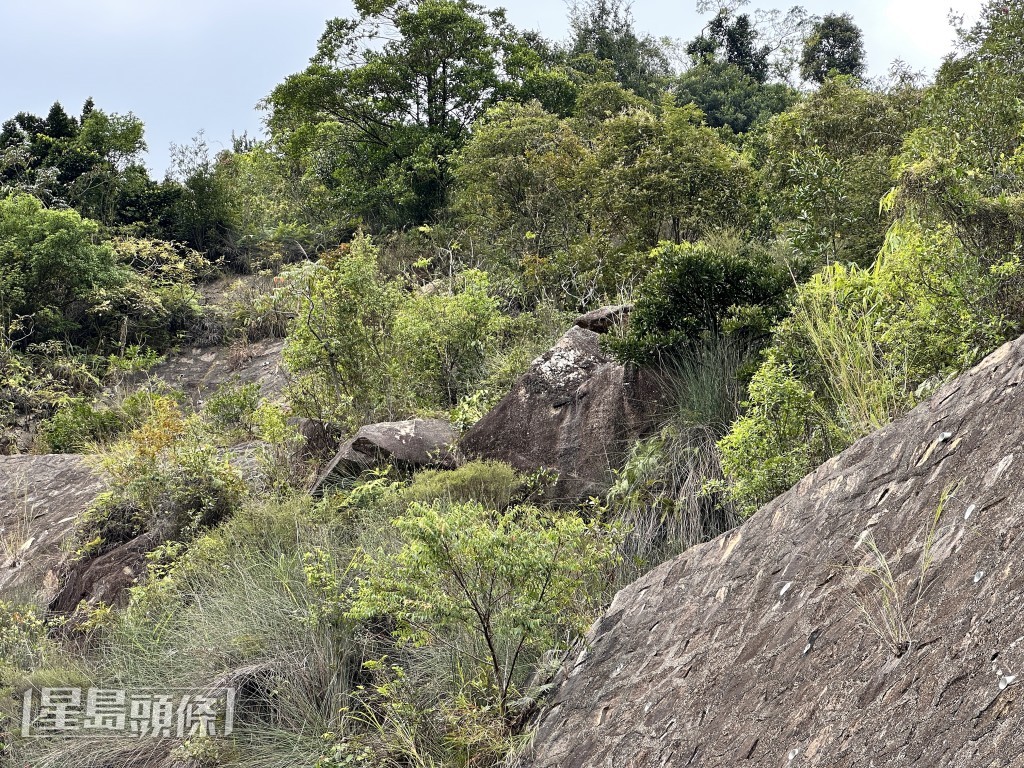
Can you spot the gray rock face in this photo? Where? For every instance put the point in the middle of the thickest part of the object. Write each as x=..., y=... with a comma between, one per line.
x=574, y=411
x=753, y=649
x=41, y=498
x=605, y=319
x=200, y=371
x=411, y=444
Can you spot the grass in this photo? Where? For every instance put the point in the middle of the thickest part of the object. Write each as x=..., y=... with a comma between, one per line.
x=236, y=608
x=869, y=392
x=17, y=528
x=885, y=608
x=669, y=492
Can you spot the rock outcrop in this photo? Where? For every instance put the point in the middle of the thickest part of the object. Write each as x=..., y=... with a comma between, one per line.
x=200, y=371
x=41, y=498
x=575, y=411
x=410, y=444
x=759, y=648
x=605, y=319
x=104, y=579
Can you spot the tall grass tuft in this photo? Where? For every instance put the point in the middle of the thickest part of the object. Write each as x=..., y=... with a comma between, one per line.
x=670, y=492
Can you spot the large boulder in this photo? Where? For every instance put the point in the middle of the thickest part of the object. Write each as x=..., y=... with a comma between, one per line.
x=605, y=319
x=870, y=616
x=575, y=411
x=410, y=444
x=41, y=499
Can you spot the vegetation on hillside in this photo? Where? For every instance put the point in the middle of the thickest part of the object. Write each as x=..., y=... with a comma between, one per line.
x=809, y=252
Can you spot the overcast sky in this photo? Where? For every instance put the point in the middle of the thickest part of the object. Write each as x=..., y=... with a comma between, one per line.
x=189, y=65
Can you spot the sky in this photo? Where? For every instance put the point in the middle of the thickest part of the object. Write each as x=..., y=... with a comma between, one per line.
x=184, y=66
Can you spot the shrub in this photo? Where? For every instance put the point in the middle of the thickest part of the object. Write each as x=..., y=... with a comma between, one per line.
x=74, y=426
x=491, y=483
x=337, y=350
x=442, y=339
x=168, y=472
x=232, y=408
x=783, y=435
x=692, y=290
x=52, y=272
x=500, y=586
x=22, y=637
x=362, y=349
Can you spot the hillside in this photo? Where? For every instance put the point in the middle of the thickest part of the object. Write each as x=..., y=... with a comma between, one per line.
x=868, y=616
x=329, y=448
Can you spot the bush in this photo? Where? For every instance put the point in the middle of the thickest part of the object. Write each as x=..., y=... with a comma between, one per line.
x=691, y=292
x=491, y=483
x=74, y=426
x=78, y=424
x=337, y=349
x=22, y=637
x=442, y=339
x=501, y=586
x=53, y=275
x=169, y=473
x=232, y=408
x=783, y=435
x=364, y=350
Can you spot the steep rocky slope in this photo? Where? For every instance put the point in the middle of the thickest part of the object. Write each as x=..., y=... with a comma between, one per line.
x=41, y=499
x=756, y=648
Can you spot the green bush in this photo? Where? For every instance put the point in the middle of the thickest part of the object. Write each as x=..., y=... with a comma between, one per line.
x=232, y=408
x=168, y=472
x=53, y=274
x=783, y=435
x=364, y=349
x=502, y=586
x=442, y=339
x=491, y=483
x=861, y=347
x=74, y=426
x=22, y=637
x=693, y=289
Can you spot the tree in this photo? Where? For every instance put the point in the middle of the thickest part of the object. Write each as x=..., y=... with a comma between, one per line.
x=733, y=39
x=202, y=213
x=834, y=47
x=387, y=97
x=502, y=586
x=604, y=31
x=92, y=163
x=729, y=97
x=692, y=290
x=825, y=164
x=52, y=271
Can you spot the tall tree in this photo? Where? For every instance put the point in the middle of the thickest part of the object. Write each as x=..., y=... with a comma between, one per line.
x=834, y=47
x=604, y=30
x=388, y=95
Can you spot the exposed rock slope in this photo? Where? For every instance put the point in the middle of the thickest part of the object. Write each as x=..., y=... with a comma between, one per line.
x=751, y=650
x=41, y=498
x=200, y=371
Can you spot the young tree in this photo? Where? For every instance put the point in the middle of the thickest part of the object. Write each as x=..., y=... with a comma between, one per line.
x=500, y=586
x=834, y=47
